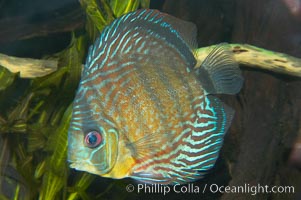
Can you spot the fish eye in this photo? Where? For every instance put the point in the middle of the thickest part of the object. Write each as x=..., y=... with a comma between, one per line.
x=93, y=139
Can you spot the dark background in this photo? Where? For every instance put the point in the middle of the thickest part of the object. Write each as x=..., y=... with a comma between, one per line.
x=258, y=145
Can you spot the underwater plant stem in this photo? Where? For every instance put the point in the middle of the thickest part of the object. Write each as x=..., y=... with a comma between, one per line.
x=28, y=67
x=244, y=54
x=259, y=58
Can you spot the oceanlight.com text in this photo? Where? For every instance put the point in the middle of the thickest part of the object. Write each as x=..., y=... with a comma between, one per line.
x=250, y=189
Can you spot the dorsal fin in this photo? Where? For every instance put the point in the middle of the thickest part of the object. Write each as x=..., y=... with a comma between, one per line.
x=170, y=31
x=187, y=30
x=176, y=32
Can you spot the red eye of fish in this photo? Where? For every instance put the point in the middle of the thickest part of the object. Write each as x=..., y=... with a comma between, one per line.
x=93, y=139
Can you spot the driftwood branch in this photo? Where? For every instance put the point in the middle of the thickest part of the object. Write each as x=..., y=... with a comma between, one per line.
x=248, y=55
x=28, y=68
x=259, y=58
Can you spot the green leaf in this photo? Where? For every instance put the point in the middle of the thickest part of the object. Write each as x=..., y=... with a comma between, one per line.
x=80, y=186
x=6, y=78
x=121, y=7
x=99, y=14
x=58, y=158
x=56, y=175
x=52, y=184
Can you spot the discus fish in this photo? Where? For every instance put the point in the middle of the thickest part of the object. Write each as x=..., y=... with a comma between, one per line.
x=143, y=108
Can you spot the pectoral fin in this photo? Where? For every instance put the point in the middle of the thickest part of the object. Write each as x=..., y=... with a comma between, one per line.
x=219, y=73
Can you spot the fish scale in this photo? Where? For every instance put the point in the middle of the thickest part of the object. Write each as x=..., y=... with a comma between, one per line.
x=142, y=109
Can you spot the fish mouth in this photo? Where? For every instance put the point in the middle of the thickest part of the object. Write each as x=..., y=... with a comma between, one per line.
x=98, y=168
